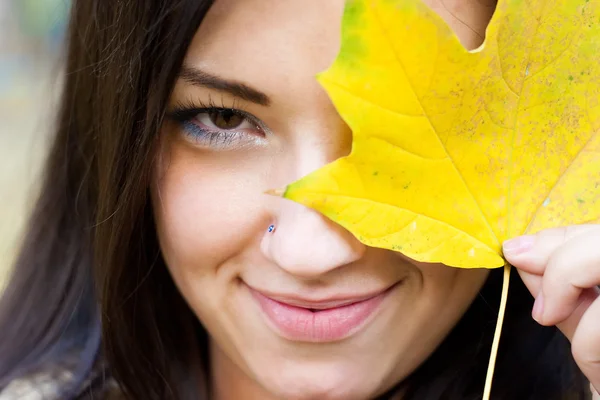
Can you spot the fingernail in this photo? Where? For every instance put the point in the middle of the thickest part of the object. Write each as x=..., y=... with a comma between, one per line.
x=518, y=245
x=538, y=308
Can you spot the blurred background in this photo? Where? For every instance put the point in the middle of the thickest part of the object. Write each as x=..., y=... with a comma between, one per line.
x=31, y=46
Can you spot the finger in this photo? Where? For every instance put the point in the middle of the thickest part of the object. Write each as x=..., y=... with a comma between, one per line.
x=585, y=345
x=532, y=252
x=595, y=395
x=571, y=268
x=532, y=281
x=567, y=327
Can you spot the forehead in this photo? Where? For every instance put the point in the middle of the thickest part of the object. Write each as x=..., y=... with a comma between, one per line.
x=241, y=38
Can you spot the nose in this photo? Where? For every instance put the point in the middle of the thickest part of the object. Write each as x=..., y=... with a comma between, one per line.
x=308, y=245
x=304, y=242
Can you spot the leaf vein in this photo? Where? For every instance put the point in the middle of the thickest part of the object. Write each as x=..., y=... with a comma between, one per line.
x=444, y=223
x=370, y=102
x=493, y=119
x=511, y=152
x=502, y=67
x=395, y=232
x=395, y=146
x=443, y=242
x=470, y=191
x=565, y=172
x=554, y=60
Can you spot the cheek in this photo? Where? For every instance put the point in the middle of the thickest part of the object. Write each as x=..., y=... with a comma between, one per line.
x=447, y=293
x=433, y=301
x=206, y=211
x=209, y=213
x=444, y=295
x=450, y=290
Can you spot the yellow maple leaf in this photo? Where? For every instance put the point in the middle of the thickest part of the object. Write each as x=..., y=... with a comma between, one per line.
x=455, y=151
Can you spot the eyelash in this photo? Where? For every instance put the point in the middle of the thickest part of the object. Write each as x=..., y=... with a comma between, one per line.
x=184, y=114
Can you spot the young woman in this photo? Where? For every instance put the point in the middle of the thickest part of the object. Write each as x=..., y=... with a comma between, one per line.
x=155, y=267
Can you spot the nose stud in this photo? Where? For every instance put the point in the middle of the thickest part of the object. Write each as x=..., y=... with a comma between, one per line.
x=271, y=229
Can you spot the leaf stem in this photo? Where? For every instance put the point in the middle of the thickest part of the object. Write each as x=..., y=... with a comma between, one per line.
x=276, y=192
x=490, y=371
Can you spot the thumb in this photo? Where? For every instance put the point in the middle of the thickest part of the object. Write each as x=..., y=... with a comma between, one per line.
x=530, y=253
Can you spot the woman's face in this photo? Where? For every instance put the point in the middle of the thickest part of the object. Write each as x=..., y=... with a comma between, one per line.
x=301, y=311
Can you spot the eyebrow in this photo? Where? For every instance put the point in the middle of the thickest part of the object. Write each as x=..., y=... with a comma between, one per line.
x=198, y=77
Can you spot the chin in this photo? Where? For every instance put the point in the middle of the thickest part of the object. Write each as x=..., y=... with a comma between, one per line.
x=310, y=382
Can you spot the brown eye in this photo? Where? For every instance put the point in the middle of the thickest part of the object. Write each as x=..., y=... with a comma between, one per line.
x=222, y=128
x=226, y=119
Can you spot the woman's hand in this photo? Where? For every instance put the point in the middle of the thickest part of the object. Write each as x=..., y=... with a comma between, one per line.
x=561, y=269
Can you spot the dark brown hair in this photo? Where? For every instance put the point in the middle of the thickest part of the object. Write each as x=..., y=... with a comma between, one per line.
x=90, y=279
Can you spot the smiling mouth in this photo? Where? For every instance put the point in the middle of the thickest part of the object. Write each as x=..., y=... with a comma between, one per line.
x=324, y=321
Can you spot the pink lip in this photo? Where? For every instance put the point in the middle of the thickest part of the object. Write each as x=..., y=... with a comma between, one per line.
x=323, y=321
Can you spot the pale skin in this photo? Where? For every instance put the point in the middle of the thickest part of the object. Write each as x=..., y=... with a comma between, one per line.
x=561, y=269
x=213, y=217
